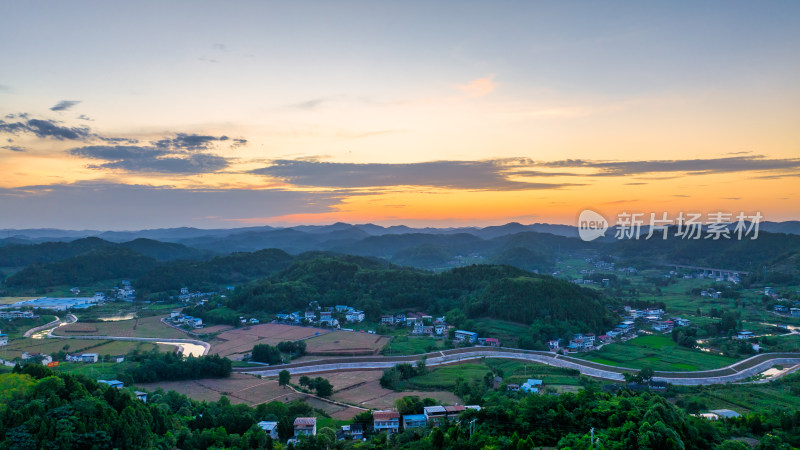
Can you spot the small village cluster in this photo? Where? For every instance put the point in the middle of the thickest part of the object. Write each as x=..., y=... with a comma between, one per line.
x=785, y=307
x=627, y=329
x=388, y=421
x=178, y=318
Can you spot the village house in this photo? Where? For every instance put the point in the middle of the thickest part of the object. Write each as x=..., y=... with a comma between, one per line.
x=605, y=339
x=271, y=428
x=414, y=421
x=85, y=358
x=341, y=308
x=254, y=321
x=282, y=316
x=141, y=396
x=400, y=319
x=305, y=426
x=781, y=309
x=531, y=386
x=435, y=414
x=3, y=339
x=466, y=336
x=439, y=329
x=795, y=312
x=325, y=317
x=553, y=344
x=514, y=387
x=744, y=335
x=682, y=322
x=310, y=316
x=353, y=431
x=388, y=421
x=118, y=358
x=419, y=329
x=355, y=316
x=387, y=320
x=16, y=314
x=113, y=383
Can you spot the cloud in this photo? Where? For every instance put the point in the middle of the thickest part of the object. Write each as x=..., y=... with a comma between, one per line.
x=44, y=129
x=150, y=159
x=753, y=163
x=309, y=104
x=221, y=47
x=4, y=88
x=14, y=148
x=84, y=117
x=138, y=207
x=64, y=105
x=473, y=175
x=191, y=142
x=479, y=87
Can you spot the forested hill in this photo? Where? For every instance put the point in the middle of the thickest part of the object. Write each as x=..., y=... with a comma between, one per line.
x=377, y=287
x=21, y=255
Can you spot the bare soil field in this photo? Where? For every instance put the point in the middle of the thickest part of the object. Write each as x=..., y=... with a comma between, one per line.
x=214, y=329
x=362, y=388
x=241, y=340
x=149, y=327
x=346, y=343
x=238, y=388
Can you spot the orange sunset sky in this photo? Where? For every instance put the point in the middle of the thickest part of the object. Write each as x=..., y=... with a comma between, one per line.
x=219, y=114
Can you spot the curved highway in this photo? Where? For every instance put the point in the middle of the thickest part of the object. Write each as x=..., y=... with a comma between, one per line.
x=739, y=371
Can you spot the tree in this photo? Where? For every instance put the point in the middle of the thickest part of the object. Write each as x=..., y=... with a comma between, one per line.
x=284, y=377
x=324, y=387
x=285, y=428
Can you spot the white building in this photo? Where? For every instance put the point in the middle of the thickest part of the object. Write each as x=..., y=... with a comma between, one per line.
x=271, y=428
x=355, y=316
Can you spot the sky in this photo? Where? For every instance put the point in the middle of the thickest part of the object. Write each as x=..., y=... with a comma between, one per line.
x=137, y=115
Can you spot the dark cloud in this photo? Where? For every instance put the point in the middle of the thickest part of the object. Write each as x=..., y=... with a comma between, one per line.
x=44, y=129
x=687, y=166
x=191, y=142
x=14, y=148
x=18, y=115
x=138, y=207
x=474, y=175
x=85, y=117
x=150, y=159
x=64, y=105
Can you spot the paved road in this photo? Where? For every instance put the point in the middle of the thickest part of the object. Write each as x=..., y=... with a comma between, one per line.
x=733, y=373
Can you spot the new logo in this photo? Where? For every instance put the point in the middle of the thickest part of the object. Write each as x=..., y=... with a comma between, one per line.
x=591, y=225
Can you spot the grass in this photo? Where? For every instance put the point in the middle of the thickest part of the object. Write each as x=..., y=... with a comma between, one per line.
x=745, y=398
x=102, y=347
x=149, y=327
x=17, y=327
x=412, y=345
x=10, y=300
x=513, y=372
x=507, y=332
x=658, y=353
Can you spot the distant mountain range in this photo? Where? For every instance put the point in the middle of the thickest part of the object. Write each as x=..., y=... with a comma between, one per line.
x=322, y=232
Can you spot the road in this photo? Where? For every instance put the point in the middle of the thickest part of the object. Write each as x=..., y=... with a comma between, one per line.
x=729, y=374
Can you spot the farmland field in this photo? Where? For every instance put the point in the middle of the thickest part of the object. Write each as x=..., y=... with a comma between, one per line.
x=102, y=347
x=658, y=353
x=412, y=345
x=239, y=341
x=346, y=343
x=249, y=390
x=362, y=388
x=150, y=327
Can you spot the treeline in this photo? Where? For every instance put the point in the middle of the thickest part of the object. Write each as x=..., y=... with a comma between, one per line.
x=395, y=377
x=40, y=408
x=265, y=353
x=376, y=287
x=154, y=366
